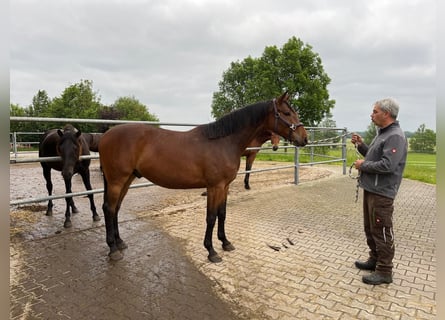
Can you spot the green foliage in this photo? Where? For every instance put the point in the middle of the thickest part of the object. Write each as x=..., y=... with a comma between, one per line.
x=370, y=133
x=294, y=67
x=131, y=109
x=77, y=101
x=419, y=166
x=17, y=111
x=126, y=108
x=423, y=140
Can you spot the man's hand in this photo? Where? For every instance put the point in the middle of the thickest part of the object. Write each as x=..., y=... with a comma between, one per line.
x=358, y=163
x=356, y=139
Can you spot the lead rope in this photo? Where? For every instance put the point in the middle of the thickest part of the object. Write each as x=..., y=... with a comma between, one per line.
x=357, y=177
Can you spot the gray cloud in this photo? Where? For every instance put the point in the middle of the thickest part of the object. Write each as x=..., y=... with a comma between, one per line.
x=171, y=54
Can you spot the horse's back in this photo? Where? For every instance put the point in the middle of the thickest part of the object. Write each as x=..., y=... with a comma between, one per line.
x=48, y=143
x=172, y=159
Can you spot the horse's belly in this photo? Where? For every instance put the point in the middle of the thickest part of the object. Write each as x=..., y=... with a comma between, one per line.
x=189, y=176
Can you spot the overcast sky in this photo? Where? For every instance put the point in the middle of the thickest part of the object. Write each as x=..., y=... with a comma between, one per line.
x=171, y=54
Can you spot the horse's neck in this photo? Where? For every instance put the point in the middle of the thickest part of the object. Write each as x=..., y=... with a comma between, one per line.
x=246, y=138
x=260, y=139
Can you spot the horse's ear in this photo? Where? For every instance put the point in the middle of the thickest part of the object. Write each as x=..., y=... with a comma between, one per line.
x=284, y=97
x=60, y=132
x=78, y=133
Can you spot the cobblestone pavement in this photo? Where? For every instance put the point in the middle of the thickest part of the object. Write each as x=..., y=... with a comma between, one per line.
x=294, y=259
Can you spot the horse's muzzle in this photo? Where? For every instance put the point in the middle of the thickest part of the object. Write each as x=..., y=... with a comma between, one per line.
x=300, y=142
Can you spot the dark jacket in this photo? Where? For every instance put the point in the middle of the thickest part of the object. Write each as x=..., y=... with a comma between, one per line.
x=385, y=160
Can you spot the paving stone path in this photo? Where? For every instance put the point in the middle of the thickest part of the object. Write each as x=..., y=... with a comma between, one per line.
x=294, y=258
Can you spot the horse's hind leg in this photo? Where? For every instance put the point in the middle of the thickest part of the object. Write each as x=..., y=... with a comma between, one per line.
x=216, y=207
x=249, y=161
x=85, y=174
x=49, y=187
x=113, y=197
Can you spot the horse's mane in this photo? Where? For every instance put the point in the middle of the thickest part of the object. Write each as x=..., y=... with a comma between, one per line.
x=234, y=121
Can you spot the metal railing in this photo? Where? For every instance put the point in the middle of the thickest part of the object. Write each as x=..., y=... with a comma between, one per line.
x=296, y=150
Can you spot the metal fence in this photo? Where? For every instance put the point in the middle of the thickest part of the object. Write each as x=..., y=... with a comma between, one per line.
x=319, y=138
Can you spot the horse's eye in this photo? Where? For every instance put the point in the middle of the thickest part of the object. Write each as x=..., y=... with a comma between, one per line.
x=286, y=113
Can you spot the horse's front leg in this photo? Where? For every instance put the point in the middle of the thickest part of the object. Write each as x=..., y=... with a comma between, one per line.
x=49, y=187
x=69, y=204
x=85, y=174
x=226, y=245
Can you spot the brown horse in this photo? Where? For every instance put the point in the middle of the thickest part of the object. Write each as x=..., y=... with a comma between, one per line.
x=69, y=144
x=250, y=155
x=205, y=156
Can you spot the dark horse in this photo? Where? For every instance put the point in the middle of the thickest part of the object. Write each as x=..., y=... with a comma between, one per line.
x=205, y=156
x=250, y=154
x=69, y=144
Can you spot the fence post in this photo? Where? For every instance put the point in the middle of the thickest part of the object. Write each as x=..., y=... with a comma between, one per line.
x=297, y=165
x=343, y=150
x=14, y=143
x=312, y=131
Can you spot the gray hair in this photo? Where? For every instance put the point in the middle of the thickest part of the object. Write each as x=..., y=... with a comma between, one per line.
x=389, y=105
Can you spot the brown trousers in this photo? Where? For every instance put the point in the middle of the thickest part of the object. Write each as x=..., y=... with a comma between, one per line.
x=377, y=218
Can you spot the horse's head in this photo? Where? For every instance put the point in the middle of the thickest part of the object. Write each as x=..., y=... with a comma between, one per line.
x=287, y=123
x=275, y=140
x=69, y=148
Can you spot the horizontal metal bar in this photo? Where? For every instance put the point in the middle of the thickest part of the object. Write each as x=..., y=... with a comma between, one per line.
x=320, y=162
x=77, y=120
x=133, y=186
x=73, y=194
x=49, y=159
x=267, y=169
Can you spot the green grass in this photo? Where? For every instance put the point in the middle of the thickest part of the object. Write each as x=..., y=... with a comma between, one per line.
x=419, y=166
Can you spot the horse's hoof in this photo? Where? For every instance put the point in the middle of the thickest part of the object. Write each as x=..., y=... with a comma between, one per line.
x=96, y=218
x=75, y=210
x=116, y=255
x=247, y=187
x=215, y=258
x=228, y=247
x=122, y=245
x=49, y=213
x=67, y=224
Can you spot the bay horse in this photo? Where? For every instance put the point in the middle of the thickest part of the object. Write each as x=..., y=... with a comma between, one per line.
x=69, y=144
x=207, y=156
x=250, y=155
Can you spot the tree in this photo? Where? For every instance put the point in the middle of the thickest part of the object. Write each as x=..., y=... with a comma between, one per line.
x=131, y=109
x=40, y=105
x=125, y=108
x=370, y=133
x=423, y=140
x=77, y=101
x=294, y=68
x=17, y=111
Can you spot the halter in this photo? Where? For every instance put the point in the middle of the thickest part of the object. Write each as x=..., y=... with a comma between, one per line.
x=292, y=126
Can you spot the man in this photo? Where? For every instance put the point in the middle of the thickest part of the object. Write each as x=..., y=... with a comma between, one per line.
x=380, y=177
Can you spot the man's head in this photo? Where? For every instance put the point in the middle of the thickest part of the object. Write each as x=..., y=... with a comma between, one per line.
x=385, y=112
